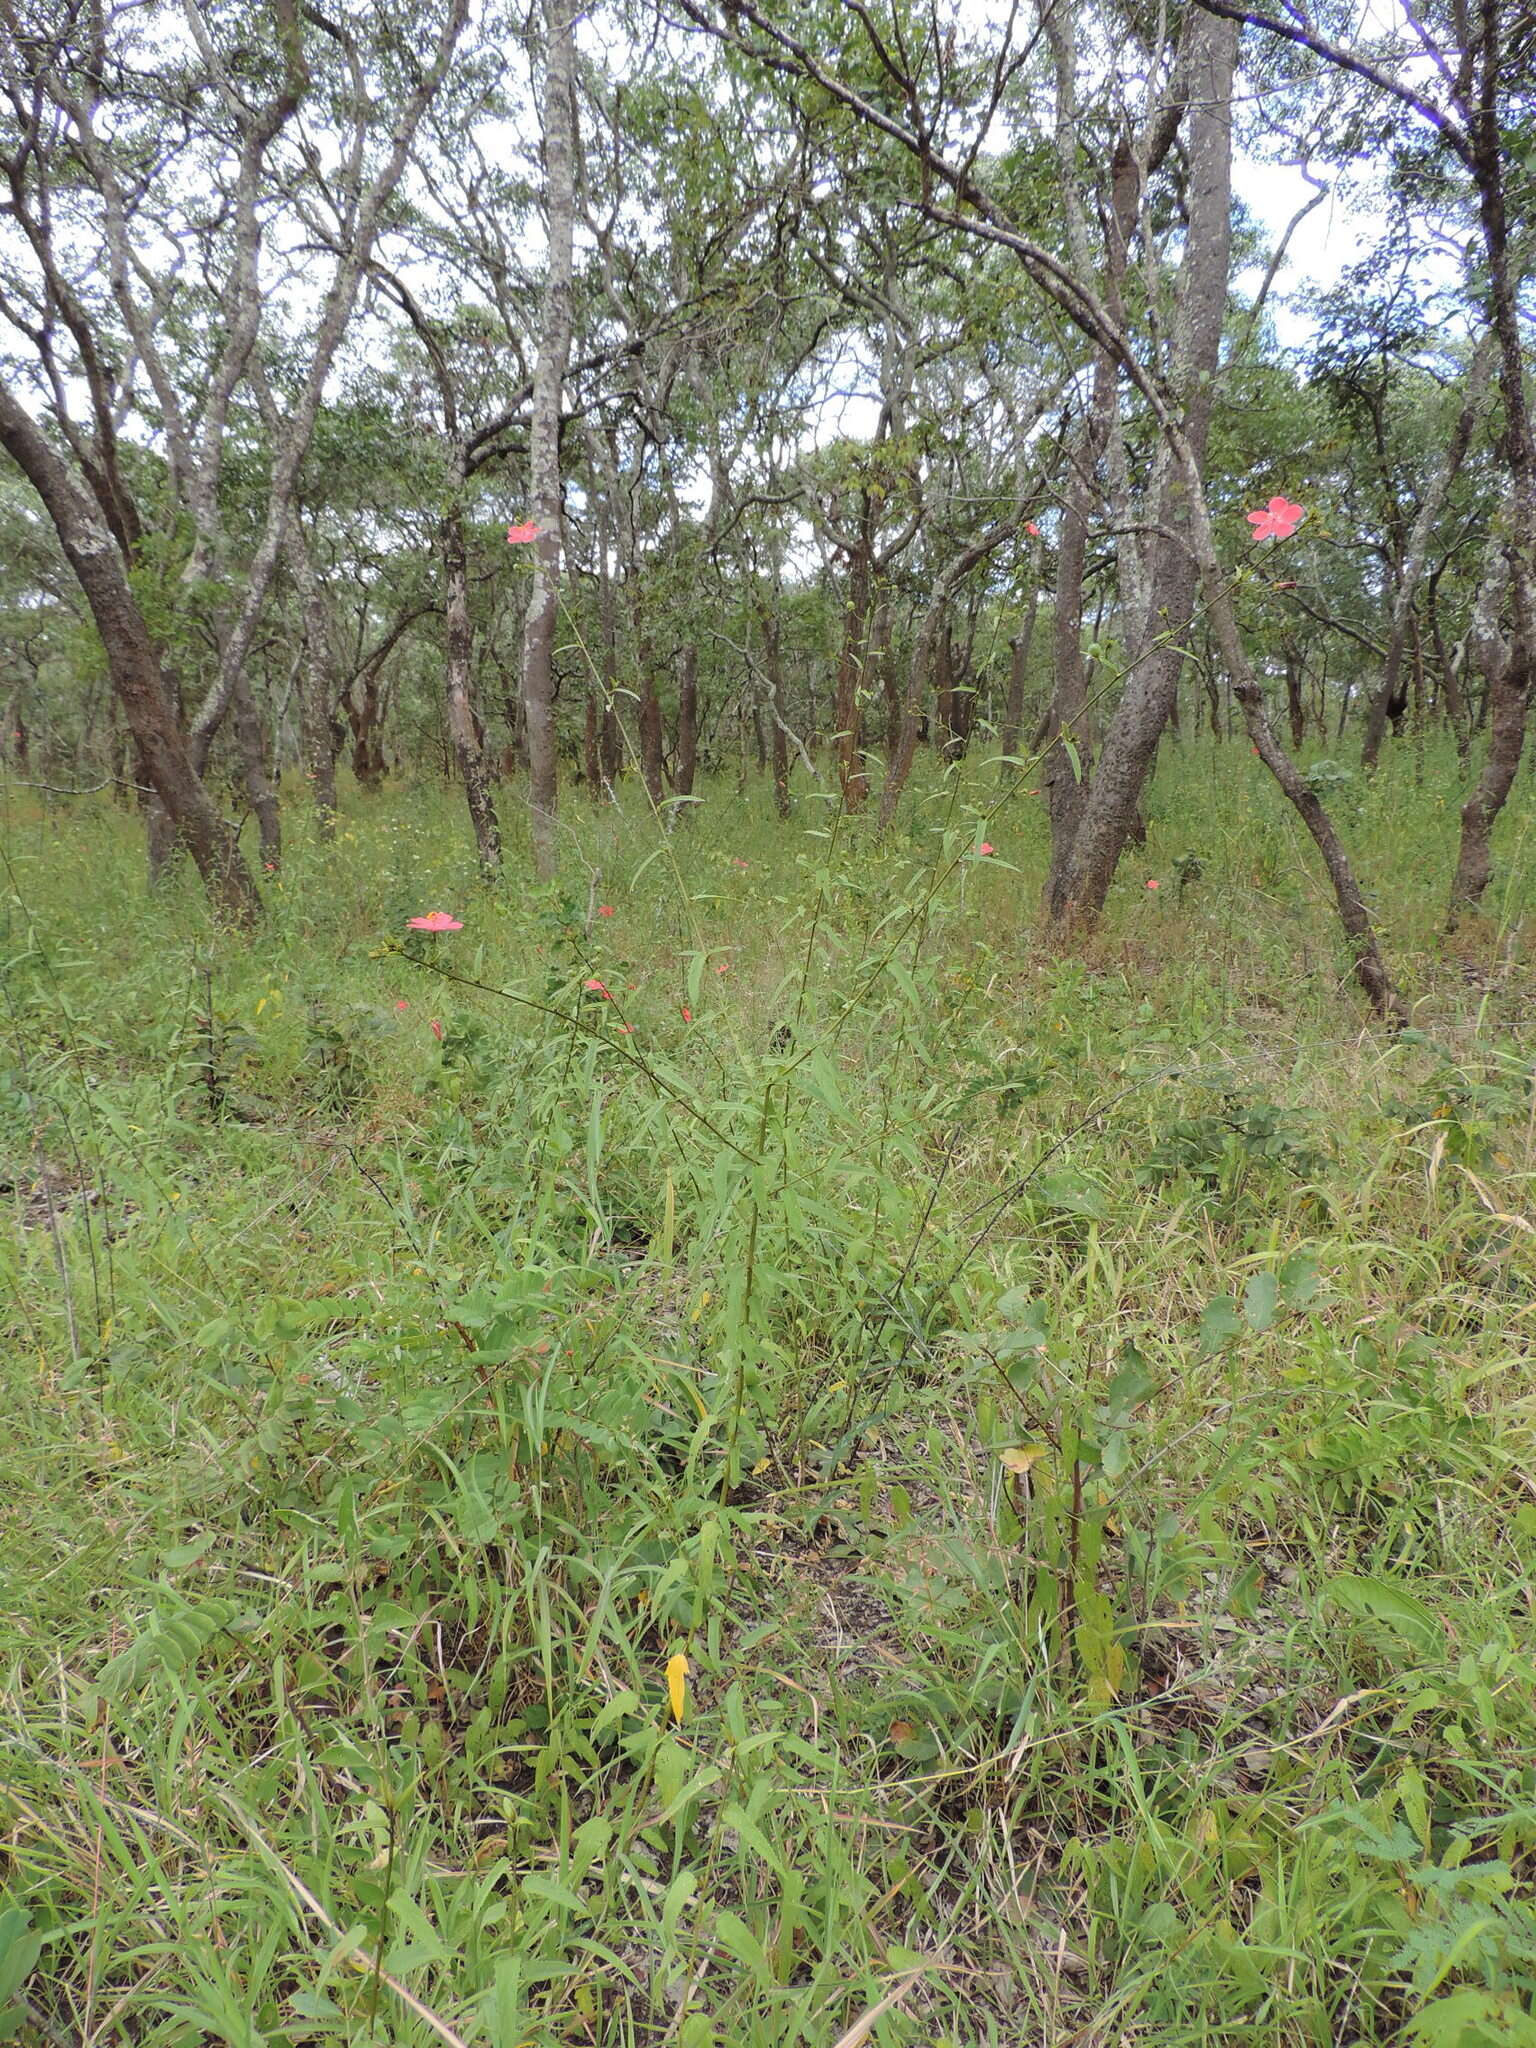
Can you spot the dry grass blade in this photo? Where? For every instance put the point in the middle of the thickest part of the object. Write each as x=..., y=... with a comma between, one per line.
x=856, y=2035
x=359, y=1958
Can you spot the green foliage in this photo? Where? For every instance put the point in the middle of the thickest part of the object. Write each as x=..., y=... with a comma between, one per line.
x=1072, y=1414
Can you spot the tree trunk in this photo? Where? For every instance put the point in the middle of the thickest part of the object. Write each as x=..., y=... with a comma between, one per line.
x=463, y=727
x=946, y=735
x=1508, y=698
x=364, y=708
x=1295, y=676
x=251, y=741
x=652, y=738
x=848, y=708
x=1390, y=698
x=591, y=748
x=687, y=721
x=1018, y=683
x=1080, y=883
x=317, y=716
x=544, y=432
x=134, y=666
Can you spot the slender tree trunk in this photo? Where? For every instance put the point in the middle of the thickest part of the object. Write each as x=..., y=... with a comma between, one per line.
x=1295, y=676
x=611, y=734
x=592, y=747
x=1018, y=683
x=251, y=741
x=946, y=734
x=1388, y=702
x=1109, y=812
x=1510, y=686
x=317, y=716
x=652, y=739
x=773, y=663
x=463, y=727
x=848, y=708
x=134, y=666
x=687, y=720
x=544, y=432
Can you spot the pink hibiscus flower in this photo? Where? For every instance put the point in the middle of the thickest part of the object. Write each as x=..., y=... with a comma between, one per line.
x=1278, y=520
x=518, y=536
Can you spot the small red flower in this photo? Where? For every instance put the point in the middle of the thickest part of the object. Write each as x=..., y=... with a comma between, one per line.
x=1278, y=520
x=605, y=910
x=437, y=1031
x=985, y=848
x=737, y=862
x=626, y=1027
x=402, y=1004
x=518, y=536
x=1030, y=527
x=723, y=967
x=435, y=921
x=687, y=1013
x=1154, y=883
x=596, y=988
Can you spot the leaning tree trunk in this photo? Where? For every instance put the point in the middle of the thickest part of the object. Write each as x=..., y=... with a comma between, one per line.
x=544, y=433
x=463, y=728
x=134, y=666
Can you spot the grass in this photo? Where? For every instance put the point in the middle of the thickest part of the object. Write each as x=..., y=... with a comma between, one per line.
x=1074, y=1414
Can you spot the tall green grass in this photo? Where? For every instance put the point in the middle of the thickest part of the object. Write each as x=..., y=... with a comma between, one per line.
x=1073, y=1413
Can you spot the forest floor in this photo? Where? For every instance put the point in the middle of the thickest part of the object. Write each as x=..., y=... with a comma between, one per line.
x=1075, y=1414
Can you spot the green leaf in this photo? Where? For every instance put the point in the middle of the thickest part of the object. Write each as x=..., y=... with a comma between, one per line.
x=1393, y=1606
x=1471, y=2018
x=1299, y=1280
x=19, y=1951
x=1260, y=1300
x=1220, y=1323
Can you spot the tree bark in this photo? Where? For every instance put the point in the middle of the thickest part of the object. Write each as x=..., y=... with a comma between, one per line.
x=317, y=714
x=251, y=741
x=134, y=666
x=1389, y=701
x=544, y=433
x=687, y=720
x=848, y=706
x=1081, y=882
x=463, y=727
x=1018, y=683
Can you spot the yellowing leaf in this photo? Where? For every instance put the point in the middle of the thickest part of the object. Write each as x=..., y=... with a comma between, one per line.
x=1021, y=1458
x=677, y=1683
